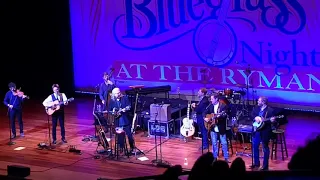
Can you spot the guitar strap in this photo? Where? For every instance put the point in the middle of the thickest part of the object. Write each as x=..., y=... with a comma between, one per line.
x=265, y=116
x=218, y=110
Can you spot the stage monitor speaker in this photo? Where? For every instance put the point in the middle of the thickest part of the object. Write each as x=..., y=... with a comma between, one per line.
x=18, y=171
x=160, y=112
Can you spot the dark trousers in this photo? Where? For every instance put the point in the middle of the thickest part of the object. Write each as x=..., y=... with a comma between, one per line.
x=145, y=124
x=259, y=137
x=203, y=130
x=13, y=113
x=127, y=130
x=58, y=116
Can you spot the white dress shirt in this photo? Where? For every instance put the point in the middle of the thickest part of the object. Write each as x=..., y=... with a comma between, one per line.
x=49, y=102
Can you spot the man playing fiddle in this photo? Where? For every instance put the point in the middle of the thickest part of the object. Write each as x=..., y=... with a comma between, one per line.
x=14, y=101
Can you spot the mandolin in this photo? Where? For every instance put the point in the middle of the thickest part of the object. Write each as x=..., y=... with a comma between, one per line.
x=117, y=113
x=213, y=119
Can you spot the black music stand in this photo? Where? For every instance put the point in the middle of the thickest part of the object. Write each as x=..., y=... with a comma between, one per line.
x=10, y=135
x=136, y=89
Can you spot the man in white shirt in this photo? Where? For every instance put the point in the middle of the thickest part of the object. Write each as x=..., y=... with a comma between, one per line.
x=55, y=99
x=218, y=131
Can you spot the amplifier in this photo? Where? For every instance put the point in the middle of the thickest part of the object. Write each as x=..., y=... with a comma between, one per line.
x=158, y=128
x=160, y=112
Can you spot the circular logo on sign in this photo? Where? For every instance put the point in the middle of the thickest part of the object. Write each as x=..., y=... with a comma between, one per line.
x=214, y=42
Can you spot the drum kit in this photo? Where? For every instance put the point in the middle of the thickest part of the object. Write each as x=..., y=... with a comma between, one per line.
x=237, y=100
x=229, y=95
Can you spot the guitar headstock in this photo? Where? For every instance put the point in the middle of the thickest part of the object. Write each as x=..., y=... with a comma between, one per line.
x=71, y=99
x=280, y=116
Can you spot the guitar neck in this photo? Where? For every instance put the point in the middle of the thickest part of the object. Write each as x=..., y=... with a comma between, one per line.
x=68, y=100
x=188, y=111
x=62, y=102
x=268, y=119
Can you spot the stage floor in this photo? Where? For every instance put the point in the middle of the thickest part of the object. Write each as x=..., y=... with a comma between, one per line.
x=62, y=164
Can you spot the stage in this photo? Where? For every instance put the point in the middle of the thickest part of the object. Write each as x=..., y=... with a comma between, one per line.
x=59, y=163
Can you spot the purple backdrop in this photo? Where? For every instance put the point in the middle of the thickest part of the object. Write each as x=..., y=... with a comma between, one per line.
x=194, y=43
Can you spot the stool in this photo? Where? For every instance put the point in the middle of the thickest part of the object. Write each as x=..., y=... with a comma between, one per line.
x=117, y=148
x=229, y=140
x=279, y=139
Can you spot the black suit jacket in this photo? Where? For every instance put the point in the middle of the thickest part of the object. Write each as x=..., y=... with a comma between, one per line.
x=266, y=131
x=222, y=120
x=124, y=102
x=201, y=107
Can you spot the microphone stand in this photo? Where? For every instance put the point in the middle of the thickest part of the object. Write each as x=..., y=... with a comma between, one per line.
x=48, y=122
x=175, y=130
x=180, y=124
x=133, y=127
x=94, y=137
x=159, y=162
x=248, y=72
x=10, y=138
x=43, y=145
x=252, y=154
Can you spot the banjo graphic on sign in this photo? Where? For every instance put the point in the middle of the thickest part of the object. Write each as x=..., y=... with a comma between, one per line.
x=214, y=40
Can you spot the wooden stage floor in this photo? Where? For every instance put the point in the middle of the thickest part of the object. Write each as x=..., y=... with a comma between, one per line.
x=62, y=164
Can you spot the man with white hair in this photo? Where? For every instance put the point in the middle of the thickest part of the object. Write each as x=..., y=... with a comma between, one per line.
x=120, y=104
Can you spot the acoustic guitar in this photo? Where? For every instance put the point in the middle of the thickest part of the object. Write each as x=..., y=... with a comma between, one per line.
x=56, y=106
x=187, y=129
x=213, y=119
x=259, y=125
x=102, y=135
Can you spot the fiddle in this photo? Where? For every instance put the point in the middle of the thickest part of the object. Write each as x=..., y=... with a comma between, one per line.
x=19, y=93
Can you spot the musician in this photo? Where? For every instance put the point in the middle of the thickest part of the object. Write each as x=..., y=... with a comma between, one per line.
x=199, y=109
x=117, y=102
x=259, y=113
x=105, y=89
x=14, y=104
x=218, y=131
x=54, y=99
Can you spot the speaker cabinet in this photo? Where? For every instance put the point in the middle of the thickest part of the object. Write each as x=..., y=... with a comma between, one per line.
x=160, y=112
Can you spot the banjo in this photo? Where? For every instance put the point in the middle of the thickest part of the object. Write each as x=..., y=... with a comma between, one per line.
x=259, y=125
